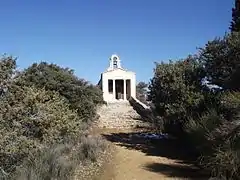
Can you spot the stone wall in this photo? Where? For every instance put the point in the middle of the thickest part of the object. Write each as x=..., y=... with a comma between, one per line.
x=146, y=112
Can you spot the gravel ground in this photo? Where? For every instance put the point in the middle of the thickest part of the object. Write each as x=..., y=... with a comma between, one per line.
x=130, y=157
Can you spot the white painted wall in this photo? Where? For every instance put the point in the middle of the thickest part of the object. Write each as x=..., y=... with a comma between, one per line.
x=117, y=74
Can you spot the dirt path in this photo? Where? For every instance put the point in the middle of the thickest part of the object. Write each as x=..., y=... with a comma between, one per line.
x=135, y=158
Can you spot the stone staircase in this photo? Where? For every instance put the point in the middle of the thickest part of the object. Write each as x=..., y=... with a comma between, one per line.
x=118, y=115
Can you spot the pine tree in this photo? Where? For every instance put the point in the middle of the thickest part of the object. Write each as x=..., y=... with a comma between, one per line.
x=235, y=24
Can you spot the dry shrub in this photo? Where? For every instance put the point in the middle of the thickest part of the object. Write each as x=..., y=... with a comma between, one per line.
x=31, y=119
x=225, y=159
x=41, y=109
x=216, y=135
x=89, y=149
x=49, y=163
x=60, y=161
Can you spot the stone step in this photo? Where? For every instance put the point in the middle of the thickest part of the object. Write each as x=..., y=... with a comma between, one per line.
x=116, y=115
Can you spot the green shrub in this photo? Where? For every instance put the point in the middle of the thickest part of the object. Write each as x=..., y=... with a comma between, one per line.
x=216, y=135
x=43, y=115
x=199, y=128
x=225, y=158
x=7, y=69
x=81, y=95
x=141, y=92
x=230, y=104
x=174, y=90
x=30, y=118
x=209, y=117
x=221, y=59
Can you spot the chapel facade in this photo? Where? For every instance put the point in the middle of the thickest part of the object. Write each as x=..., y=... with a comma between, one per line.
x=117, y=83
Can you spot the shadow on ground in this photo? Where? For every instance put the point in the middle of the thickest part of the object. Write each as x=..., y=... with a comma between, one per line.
x=177, y=171
x=169, y=148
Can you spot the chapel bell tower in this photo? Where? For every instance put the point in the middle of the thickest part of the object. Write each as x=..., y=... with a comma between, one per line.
x=115, y=62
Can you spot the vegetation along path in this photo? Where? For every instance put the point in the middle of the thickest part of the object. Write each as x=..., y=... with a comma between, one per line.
x=135, y=157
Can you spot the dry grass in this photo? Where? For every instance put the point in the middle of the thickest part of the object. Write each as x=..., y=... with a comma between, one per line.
x=60, y=161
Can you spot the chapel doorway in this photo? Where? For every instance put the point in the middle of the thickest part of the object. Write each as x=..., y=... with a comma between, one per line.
x=128, y=89
x=119, y=84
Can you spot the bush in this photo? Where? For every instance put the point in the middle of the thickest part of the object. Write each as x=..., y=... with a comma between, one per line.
x=31, y=118
x=49, y=163
x=174, y=91
x=221, y=59
x=141, y=92
x=88, y=149
x=198, y=129
x=60, y=161
x=217, y=136
x=225, y=159
x=230, y=105
x=209, y=117
x=81, y=96
x=41, y=109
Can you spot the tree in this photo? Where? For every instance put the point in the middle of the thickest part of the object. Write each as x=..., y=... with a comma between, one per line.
x=221, y=59
x=235, y=24
x=7, y=70
x=142, y=88
x=175, y=91
x=30, y=118
x=81, y=95
x=209, y=120
x=142, y=91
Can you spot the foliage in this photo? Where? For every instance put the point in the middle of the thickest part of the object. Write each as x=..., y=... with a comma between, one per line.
x=49, y=163
x=31, y=118
x=235, y=24
x=7, y=70
x=141, y=91
x=38, y=115
x=174, y=90
x=207, y=117
x=216, y=135
x=88, y=149
x=224, y=161
x=141, y=88
x=221, y=59
x=230, y=105
x=60, y=161
x=80, y=94
x=199, y=128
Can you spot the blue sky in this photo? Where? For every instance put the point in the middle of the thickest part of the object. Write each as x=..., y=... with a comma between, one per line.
x=82, y=34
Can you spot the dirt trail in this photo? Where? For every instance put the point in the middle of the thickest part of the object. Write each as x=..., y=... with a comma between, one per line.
x=135, y=158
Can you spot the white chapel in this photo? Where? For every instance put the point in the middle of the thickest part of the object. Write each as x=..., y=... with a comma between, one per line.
x=117, y=84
